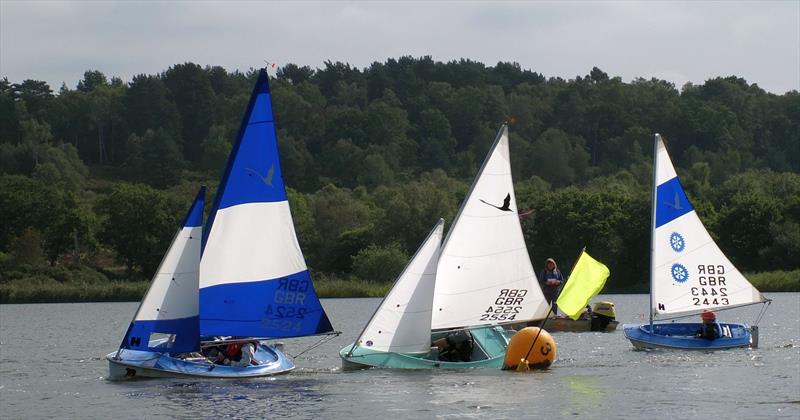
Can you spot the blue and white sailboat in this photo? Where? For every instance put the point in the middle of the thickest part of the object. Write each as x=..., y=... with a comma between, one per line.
x=689, y=274
x=245, y=280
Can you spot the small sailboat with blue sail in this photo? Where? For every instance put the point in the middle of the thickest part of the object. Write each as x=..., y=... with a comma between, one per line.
x=689, y=275
x=241, y=278
x=465, y=289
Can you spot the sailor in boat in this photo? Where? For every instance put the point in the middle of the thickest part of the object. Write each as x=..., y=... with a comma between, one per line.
x=247, y=356
x=550, y=279
x=456, y=346
x=709, y=329
x=216, y=355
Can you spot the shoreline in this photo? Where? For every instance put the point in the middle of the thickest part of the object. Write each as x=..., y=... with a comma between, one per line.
x=18, y=292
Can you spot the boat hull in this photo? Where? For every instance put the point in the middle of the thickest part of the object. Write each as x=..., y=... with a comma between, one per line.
x=579, y=325
x=569, y=325
x=490, y=348
x=682, y=336
x=144, y=364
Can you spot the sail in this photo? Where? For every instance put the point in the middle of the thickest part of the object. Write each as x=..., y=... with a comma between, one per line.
x=484, y=275
x=169, y=308
x=689, y=271
x=402, y=322
x=253, y=277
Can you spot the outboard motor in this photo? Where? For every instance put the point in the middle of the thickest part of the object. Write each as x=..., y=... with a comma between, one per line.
x=602, y=315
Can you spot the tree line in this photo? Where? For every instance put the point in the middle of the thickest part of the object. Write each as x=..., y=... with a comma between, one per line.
x=99, y=176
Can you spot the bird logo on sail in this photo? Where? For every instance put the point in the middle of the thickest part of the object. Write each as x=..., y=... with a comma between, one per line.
x=676, y=204
x=505, y=206
x=267, y=180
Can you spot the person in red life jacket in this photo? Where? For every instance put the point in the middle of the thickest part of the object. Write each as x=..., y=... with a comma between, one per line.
x=234, y=352
x=247, y=355
x=709, y=329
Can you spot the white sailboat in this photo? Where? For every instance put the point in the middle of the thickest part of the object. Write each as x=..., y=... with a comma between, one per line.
x=689, y=273
x=479, y=279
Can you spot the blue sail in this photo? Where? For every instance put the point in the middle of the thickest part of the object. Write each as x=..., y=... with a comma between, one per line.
x=169, y=309
x=254, y=281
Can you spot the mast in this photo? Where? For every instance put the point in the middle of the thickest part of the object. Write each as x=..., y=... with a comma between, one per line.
x=656, y=139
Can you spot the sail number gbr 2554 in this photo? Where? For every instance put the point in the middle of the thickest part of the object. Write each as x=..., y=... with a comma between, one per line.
x=506, y=306
x=712, y=290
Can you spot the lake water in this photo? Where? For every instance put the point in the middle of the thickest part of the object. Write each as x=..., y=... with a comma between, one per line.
x=52, y=365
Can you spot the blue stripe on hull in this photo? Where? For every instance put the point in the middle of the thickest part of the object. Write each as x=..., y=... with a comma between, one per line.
x=283, y=307
x=671, y=202
x=186, y=330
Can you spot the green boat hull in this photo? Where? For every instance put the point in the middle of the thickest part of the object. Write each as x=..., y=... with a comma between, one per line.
x=490, y=344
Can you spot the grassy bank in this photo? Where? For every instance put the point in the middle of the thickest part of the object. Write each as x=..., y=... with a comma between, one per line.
x=41, y=289
x=776, y=281
x=49, y=290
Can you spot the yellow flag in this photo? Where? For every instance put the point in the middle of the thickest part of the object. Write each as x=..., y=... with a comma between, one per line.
x=585, y=282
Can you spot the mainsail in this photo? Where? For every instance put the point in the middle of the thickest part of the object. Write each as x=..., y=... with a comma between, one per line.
x=484, y=275
x=402, y=322
x=253, y=278
x=689, y=271
x=170, y=305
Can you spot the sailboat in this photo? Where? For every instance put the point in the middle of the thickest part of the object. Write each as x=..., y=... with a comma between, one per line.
x=689, y=273
x=244, y=279
x=478, y=279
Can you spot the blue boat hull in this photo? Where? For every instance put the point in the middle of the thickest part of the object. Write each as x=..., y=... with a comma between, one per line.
x=490, y=348
x=682, y=336
x=146, y=364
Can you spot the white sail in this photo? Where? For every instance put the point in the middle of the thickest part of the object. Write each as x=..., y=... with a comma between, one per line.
x=402, y=322
x=170, y=306
x=484, y=275
x=689, y=271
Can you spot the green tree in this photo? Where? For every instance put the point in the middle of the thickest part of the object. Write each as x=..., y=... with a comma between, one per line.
x=191, y=90
x=138, y=224
x=150, y=106
x=379, y=263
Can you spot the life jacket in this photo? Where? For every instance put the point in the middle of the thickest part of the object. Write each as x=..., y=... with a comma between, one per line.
x=234, y=351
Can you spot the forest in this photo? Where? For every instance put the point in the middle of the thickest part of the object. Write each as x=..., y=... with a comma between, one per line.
x=95, y=179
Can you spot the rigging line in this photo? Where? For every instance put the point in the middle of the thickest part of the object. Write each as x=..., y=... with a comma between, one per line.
x=319, y=342
x=763, y=311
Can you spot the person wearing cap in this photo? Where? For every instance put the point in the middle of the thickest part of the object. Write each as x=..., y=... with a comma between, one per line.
x=709, y=328
x=550, y=279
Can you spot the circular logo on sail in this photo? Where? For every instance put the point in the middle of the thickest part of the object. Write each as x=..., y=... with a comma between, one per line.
x=680, y=273
x=676, y=242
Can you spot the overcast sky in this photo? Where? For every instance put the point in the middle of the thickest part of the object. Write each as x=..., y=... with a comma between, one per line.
x=678, y=41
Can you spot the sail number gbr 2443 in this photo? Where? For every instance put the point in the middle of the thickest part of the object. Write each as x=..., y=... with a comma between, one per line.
x=506, y=306
x=712, y=290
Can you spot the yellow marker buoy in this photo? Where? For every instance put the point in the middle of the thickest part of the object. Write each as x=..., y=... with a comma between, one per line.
x=523, y=354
